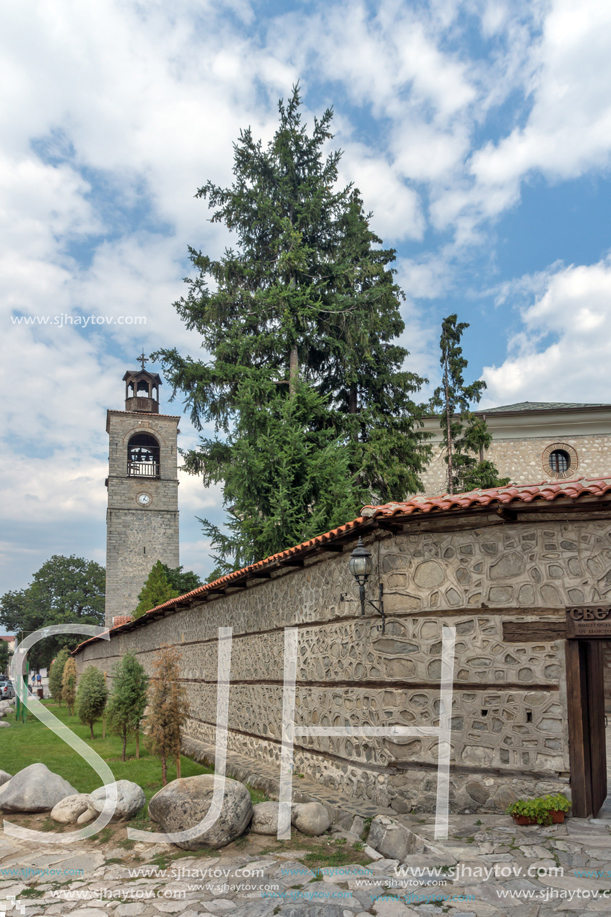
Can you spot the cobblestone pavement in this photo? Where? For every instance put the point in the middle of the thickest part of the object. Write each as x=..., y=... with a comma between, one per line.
x=488, y=867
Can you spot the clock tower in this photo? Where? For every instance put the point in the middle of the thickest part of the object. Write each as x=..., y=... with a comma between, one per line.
x=142, y=515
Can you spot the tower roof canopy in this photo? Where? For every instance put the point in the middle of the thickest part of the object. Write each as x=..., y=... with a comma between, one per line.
x=134, y=375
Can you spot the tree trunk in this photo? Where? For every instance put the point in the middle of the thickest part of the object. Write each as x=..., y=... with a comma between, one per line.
x=103, y=727
x=178, y=772
x=164, y=771
x=91, y=730
x=448, y=422
x=293, y=370
x=353, y=404
x=138, y=744
x=124, y=746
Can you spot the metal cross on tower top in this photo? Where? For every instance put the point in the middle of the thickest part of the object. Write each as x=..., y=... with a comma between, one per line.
x=142, y=358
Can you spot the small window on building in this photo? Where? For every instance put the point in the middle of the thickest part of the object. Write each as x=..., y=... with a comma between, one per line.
x=559, y=461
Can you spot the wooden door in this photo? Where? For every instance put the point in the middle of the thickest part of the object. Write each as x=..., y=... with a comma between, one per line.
x=586, y=708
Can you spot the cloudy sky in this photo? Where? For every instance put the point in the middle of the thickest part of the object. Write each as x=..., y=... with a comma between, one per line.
x=479, y=133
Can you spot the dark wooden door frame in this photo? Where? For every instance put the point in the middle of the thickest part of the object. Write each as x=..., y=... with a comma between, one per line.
x=586, y=721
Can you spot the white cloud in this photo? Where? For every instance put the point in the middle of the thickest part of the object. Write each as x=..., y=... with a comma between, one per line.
x=575, y=310
x=568, y=130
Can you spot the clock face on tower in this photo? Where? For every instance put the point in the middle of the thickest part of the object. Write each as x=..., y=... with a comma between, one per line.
x=144, y=499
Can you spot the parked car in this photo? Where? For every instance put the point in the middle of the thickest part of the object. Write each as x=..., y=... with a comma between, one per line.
x=6, y=689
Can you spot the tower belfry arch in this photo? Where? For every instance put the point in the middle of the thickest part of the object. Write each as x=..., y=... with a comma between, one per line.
x=142, y=514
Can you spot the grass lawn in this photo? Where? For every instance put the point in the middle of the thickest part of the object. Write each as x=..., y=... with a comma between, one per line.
x=30, y=742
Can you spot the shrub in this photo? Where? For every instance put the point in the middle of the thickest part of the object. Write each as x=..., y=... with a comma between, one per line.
x=56, y=674
x=167, y=708
x=128, y=700
x=69, y=684
x=91, y=697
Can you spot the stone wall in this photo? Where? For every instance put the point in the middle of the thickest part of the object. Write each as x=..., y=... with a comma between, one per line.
x=509, y=729
x=522, y=460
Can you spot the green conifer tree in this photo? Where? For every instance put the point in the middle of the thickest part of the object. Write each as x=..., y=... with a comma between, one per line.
x=128, y=700
x=181, y=580
x=69, y=684
x=305, y=308
x=168, y=708
x=56, y=674
x=91, y=697
x=155, y=591
x=465, y=436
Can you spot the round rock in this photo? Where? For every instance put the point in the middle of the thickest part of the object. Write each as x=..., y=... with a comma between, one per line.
x=130, y=799
x=311, y=818
x=265, y=818
x=34, y=789
x=184, y=803
x=69, y=809
x=4, y=777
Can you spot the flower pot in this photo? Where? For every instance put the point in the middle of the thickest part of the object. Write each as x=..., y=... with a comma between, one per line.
x=557, y=817
x=524, y=820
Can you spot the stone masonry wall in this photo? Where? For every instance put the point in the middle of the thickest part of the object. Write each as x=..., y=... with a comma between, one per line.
x=138, y=536
x=521, y=460
x=509, y=729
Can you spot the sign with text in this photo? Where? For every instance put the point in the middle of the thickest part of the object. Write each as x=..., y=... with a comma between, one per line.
x=589, y=621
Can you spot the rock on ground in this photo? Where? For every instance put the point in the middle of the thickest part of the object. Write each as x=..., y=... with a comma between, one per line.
x=34, y=789
x=130, y=799
x=389, y=838
x=184, y=803
x=86, y=817
x=5, y=724
x=265, y=818
x=68, y=810
x=311, y=818
x=4, y=777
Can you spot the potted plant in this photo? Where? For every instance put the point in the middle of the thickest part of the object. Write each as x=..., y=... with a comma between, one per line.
x=542, y=810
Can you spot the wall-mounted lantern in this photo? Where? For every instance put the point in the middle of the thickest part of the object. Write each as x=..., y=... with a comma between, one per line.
x=361, y=565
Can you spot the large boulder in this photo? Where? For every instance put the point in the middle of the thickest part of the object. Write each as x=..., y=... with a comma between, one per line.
x=4, y=777
x=5, y=724
x=310, y=818
x=67, y=811
x=184, y=803
x=130, y=799
x=265, y=818
x=34, y=789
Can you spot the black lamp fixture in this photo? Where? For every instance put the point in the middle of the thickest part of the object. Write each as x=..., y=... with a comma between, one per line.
x=361, y=565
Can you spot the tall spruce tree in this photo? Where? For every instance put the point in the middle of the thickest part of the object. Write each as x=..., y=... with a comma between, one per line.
x=465, y=436
x=299, y=322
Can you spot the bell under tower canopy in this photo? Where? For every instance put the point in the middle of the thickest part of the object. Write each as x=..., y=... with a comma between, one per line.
x=142, y=391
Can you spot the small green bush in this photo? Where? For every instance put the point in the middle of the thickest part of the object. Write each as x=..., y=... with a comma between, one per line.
x=540, y=808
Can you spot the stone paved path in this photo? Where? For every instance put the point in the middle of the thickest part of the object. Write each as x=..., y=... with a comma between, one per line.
x=488, y=867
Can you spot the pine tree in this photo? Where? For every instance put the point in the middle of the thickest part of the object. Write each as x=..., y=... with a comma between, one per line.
x=56, y=674
x=128, y=700
x=69, y=684
x=304, y=309
x=91, y=697
x=465, y=436
x=155, y=591
x=168, y=708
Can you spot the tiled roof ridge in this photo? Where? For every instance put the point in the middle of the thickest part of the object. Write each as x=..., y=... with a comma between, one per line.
x=546, y=491
x=143, y=413
x=509, y=493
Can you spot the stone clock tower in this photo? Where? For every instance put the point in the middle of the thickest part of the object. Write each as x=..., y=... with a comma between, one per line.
x=142, y=515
